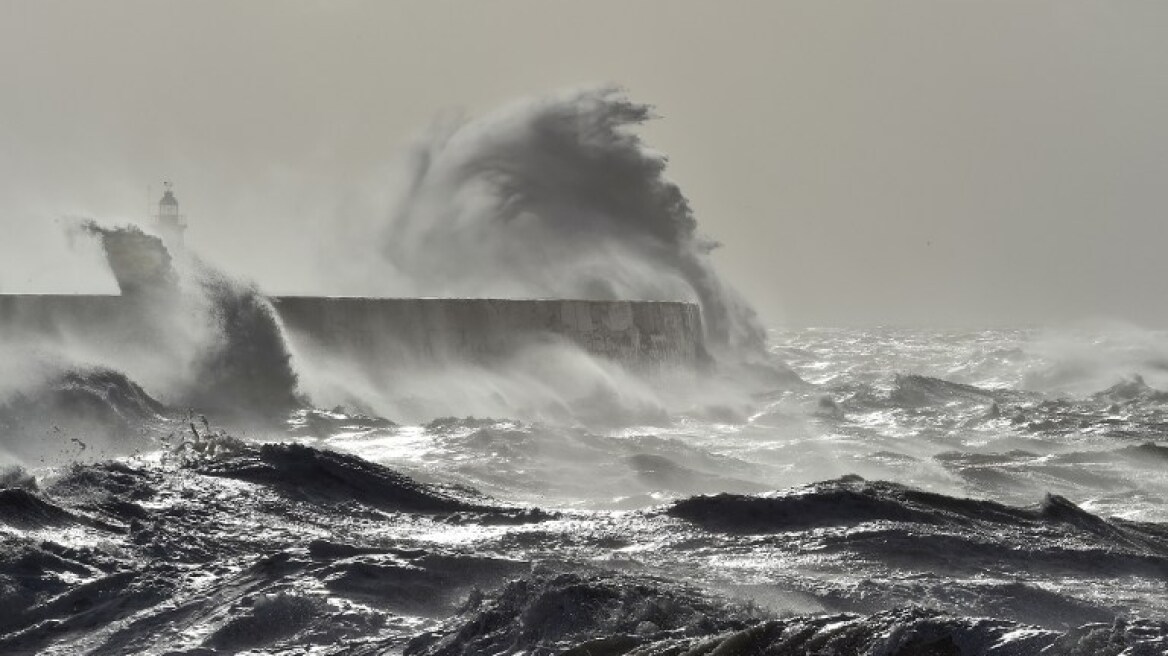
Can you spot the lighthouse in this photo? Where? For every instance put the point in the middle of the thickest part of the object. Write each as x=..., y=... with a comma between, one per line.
x=169, y=223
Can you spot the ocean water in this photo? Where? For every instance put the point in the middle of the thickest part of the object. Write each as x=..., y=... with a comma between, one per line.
x=183, y=481
x=908, y=492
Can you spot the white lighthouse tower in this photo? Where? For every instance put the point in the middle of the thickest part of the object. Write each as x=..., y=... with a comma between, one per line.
x=170, y=224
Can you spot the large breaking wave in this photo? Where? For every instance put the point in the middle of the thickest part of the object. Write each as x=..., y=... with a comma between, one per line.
x=551, y=197
x=190, y=338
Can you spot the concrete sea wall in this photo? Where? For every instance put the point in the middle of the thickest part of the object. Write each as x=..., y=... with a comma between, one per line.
x=635, y=333
x=385, y=331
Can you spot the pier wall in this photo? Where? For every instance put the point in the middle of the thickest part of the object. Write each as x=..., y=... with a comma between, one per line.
x=382, y=331
x=635, y=333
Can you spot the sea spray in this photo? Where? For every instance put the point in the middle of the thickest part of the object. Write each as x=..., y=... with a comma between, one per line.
x=248, y=371
x=553, y=197
x=240, y=365
x=181, y=336
x=80, y=414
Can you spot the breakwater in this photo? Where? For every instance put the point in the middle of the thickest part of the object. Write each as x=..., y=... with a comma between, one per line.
x=388, y=329
x=385, y=331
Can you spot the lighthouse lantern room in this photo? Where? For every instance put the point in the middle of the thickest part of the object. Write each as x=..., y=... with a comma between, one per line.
x=170, y=224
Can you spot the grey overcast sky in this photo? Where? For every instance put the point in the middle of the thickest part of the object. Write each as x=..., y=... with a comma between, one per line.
x=904, y=161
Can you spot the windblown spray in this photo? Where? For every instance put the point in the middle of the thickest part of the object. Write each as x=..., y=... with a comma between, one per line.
x=552, y=197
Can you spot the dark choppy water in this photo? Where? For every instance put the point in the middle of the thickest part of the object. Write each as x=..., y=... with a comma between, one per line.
x=924, y=492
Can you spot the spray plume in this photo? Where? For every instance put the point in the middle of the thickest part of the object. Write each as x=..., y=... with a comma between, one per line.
x=189, y=335
x=553, y=197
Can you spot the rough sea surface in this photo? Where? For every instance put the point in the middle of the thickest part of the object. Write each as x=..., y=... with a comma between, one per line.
x=912, y=493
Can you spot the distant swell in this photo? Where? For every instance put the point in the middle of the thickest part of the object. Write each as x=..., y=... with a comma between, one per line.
x=327, y=476
x=1054, y=525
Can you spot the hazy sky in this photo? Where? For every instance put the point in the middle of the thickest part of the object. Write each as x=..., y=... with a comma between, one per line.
x=894, y=161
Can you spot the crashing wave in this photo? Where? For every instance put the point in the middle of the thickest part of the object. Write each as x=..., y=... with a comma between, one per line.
x=187, y=332
x=80, y=413
x=552, y=197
